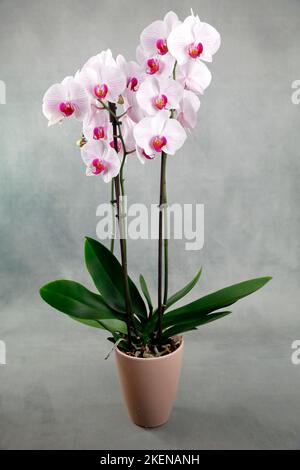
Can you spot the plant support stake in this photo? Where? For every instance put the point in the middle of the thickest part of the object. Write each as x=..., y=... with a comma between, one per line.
x=128, y=304
x=162, y=216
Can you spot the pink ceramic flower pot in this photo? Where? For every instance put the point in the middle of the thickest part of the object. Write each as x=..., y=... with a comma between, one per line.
x=149, y=386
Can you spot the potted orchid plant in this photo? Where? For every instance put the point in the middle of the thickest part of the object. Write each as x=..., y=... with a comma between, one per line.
x=145, y=108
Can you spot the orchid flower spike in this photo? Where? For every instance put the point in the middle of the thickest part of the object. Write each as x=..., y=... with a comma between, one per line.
x=192, y=40
x=103, y=78
x=64, y=99
x=159, y=133
x=100, y=158
x=155, y=95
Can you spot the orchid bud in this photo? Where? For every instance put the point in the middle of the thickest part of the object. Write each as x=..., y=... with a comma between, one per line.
x=81, y=142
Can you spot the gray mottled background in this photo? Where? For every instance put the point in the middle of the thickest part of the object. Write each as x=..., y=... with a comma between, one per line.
x=239, y=388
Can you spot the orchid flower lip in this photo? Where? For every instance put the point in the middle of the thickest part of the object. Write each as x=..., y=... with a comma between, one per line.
x=98, y=165
x=160, y=102
x=112, y=144
x=100, y=91
x=98, y=133
x=132, y=83
x=67, y=108
x=162, y=47
x=158, y=142
x=153, y=66
x=195, y=50
x=149, y=157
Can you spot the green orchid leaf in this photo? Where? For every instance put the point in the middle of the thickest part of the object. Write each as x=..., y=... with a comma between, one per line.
x=92, y=323
x=183, y=327
x=184, y=291
x=78, y=302
x=107, y=275
x=215, y=301
x=113, y=325
x=146, y=292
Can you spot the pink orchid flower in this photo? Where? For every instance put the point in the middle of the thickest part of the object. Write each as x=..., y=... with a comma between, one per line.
x=154, y=37
x=156, y=64
x=103, y=78
x=133, y=73
x=96, y=124
x=100, y=158
x=155, y=95
x=134, y=77
x=65, y=99
x=189, y=107
x=194, y=76
x=159, y=133
x=192, y=40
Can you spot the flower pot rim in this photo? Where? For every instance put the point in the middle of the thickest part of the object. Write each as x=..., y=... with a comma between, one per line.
x=159, y=358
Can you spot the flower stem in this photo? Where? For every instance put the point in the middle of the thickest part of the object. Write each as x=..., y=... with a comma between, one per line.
x=166, y=254
x=162, y=217
x=128, y=303
x=174, y=70
x=112, y=201
x=163, y=246
x=122, y=179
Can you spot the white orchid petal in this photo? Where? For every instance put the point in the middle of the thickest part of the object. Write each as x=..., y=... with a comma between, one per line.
x=113, y=165
x=93, y=149
x=171, y=20
x=153, y=32
x=133, y=109
x=115, y=80
x=189, y=107
x=208, y=36
x=194, y=76
x=172, y=90
x=175, y=135
x=79, y=98
x=89, y=78
x=143, y=132
x=178, y=41
x=148, y=90
x=128, y=128
x=159, y=122
x=55, y=95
